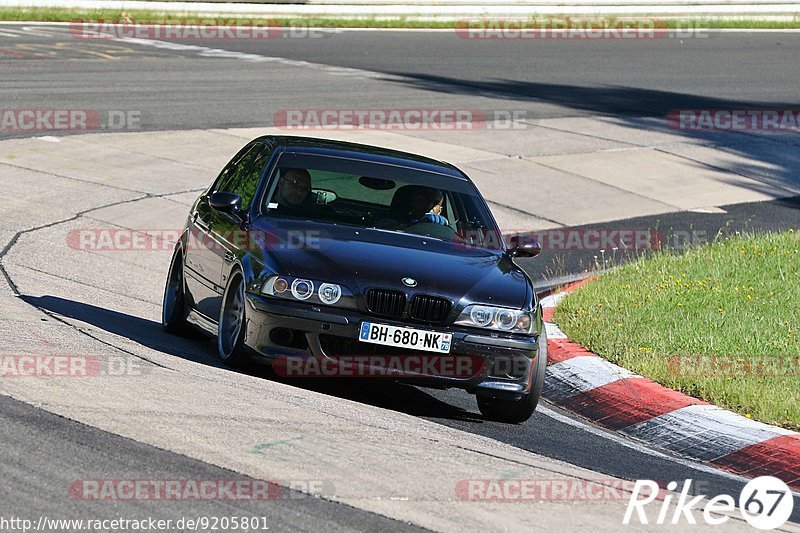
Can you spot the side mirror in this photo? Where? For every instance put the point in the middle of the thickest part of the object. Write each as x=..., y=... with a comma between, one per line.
x=229, y=204
x=226, y=202
x=528, y=249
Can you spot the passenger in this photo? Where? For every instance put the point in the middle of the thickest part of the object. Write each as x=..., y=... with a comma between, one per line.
x=435, y=215
x=413, y=204
x=426, y=207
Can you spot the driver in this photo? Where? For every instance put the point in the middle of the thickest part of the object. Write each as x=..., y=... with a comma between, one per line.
x=293, y=188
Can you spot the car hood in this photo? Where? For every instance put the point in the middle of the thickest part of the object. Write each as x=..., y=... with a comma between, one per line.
x=361, y=258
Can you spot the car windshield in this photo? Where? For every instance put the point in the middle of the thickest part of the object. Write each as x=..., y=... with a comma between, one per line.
x=375, y=195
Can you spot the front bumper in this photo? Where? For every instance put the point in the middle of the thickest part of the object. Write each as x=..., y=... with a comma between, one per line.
x=507, y=361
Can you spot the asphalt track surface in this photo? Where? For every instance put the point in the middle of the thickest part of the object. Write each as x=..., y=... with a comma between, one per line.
x=42, y=453
x=173, y=89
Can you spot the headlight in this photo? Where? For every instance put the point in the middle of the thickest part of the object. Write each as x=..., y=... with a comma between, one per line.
x=506, y=319
x=329, y=293
x=481, y=316
x=307, y=290
x=302, y=289
x=497, y=318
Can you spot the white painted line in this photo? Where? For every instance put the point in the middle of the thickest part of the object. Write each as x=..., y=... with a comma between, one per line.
x=32, y=23
x=704, y=432
x=709, y=210
x=219, y=53
x=581, y=374
x=50, y=33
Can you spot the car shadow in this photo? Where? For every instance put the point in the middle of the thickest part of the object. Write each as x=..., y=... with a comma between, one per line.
x=383, y=393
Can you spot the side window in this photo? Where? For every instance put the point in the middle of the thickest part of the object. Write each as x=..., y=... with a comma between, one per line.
x=243, y=176
x=224, y=176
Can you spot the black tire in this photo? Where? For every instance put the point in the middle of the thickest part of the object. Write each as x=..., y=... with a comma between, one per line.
x=518, y=411
x=173, y=307
x=232, y=327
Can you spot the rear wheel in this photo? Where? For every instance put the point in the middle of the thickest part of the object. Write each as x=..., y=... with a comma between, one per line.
x=173, y=307
x=518, y=411
x=232, y=320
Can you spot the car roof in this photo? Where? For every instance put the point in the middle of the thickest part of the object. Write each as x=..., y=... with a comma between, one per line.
x=364, y=152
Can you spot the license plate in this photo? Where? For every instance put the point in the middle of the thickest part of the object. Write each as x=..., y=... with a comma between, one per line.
x=415, y=339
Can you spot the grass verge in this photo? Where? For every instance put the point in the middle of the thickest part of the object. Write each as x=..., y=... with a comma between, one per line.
x=719, y=323
x=46, y=14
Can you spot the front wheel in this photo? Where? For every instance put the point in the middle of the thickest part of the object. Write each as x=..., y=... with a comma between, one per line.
x=518, y=411
x=232, y=323
x=173, y=307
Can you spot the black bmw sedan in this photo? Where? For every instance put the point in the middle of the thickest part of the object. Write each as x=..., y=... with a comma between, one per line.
x=344, y=260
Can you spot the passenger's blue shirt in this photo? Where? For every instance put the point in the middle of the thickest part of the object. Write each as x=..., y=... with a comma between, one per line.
x=430, y=218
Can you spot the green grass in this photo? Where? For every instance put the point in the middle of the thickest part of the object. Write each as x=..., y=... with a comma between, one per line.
x=672, y=317
x=43, y=14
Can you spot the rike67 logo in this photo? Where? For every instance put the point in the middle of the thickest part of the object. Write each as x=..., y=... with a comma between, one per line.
x=765, y=503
